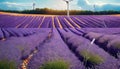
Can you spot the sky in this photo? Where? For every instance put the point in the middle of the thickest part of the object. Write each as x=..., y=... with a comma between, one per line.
x=94, y=5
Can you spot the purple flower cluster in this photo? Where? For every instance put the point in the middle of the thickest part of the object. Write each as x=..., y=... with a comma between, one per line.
x=79, y=44
x=83, y=21
x=52, y=50
x=19, y=48
x=110, y=43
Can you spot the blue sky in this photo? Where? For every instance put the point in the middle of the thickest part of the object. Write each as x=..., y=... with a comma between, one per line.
x=60, y=4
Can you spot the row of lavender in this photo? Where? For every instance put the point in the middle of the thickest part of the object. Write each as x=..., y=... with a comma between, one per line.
x=81, y=21
x=108, y=38
x=67, y=48
x=55, y=50
x=6, y=33
x=92, y=55
x=14, y=49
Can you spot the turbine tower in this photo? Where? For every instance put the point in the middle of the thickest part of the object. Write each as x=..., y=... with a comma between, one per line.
x=94, y=8
x=68, y=2
x=33, y=6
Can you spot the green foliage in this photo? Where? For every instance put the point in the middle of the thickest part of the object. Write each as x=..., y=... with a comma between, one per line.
x=62, y=12
x=59, y=64
x=4, y=64
x=116, y=45
x=92, y=58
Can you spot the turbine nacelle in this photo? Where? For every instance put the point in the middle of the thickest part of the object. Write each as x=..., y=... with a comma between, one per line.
x=67, y=1
x=33, y=4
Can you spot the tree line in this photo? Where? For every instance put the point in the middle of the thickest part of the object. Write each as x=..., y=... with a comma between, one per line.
x=62, y=12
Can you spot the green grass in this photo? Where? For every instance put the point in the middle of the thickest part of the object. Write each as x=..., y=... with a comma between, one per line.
x=92, y=58
x=116, y=45
x=4, y=64
x=57, y=64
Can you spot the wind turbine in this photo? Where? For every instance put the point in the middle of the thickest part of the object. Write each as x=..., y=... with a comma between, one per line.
x=33, y=5
x=68, y=2
x=94, y=7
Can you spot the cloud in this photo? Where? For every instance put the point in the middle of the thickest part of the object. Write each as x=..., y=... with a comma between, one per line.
x=99, y=5
x=74, y=6
x=111, y=7
x=15, y=6
x=57, y=4
x=84, y=4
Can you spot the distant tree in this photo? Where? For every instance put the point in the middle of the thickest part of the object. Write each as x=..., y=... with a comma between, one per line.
x=62, y=12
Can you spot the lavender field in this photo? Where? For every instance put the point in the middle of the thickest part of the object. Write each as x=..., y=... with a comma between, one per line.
x=78, y=21
x=31, y=48
x=59, y=42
